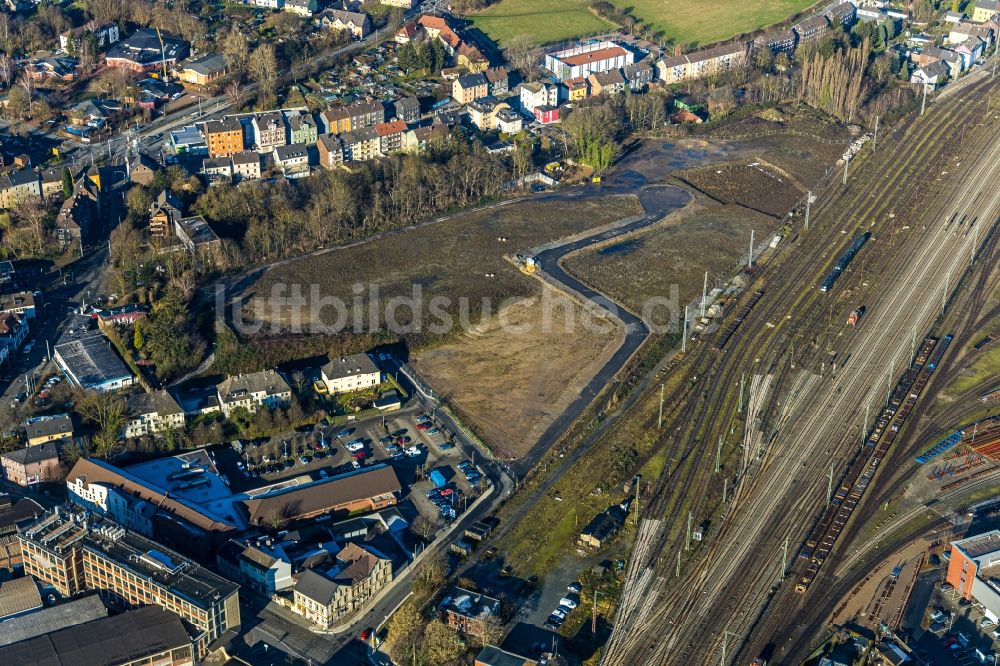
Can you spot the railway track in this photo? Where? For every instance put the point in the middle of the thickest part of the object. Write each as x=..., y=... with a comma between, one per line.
x=652, y=632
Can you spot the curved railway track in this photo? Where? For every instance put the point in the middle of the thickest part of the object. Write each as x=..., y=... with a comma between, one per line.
x=655, y=631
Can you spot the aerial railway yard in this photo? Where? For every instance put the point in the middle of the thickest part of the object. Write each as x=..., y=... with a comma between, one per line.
x=928, y=204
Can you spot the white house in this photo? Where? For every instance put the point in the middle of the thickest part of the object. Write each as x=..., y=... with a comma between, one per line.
x=266, y=388
x=536, y=94
x=150, y=413
x=931, y=76
x=350, y=373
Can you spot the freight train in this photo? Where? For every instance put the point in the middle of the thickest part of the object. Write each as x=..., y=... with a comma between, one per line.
x=844, y=261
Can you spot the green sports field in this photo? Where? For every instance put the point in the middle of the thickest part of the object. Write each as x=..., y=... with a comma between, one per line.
x=689, y=23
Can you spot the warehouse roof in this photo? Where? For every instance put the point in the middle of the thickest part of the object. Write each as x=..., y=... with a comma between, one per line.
x=117, y=639
x=593, y=56
x=19, y=595
x=91, y=362
x=53, y=618
x=324, y=495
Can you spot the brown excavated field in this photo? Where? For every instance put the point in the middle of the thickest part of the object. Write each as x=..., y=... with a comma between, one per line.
x=702, y=236
x=752, y=183
x=510, y=385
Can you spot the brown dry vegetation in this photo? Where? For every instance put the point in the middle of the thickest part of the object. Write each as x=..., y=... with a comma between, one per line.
x=703, y=236
x=752, y=183
x=461, y=257
x=511, y=384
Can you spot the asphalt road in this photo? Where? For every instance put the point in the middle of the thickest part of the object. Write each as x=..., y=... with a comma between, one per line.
x=657, y=202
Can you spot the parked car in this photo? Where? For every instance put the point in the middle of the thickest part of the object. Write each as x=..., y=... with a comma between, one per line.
x=423, y=418
x=570, y=601
x=345, y=433
x=412, y=451
x=423, y=426
x=359, y=455
x=559, y=613
x=574, y=587
x=354, y=447
x=447, y=446
x=305, y=460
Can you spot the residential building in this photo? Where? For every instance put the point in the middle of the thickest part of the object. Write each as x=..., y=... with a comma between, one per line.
x=361, y=144
x=141, y=169
x=267, y=4
x=610, y=82
x=358, y=24
x=483, y=112
x=269, y=131
x=293, y=160
x=777, y=41
x=163, y=215
x=985, y=10
x=323, y=598
x=153, y=412
x=405, y=4
x=537, y=94
x=466, y=89
x=197, y=237
x=587, y=59
x=76, y=217
x=21, y=303
x=331, y=151
x=438, y=28
x=7, y=272
x=74, y=552
x=45, y=429
x=390, y=136
x=13, y=331
x=639, y=75
x=103, y=35
x=301, y=128
x=246, y=165
x=469, y=612
x=89, y=363
x=14, y=515
x=702, y=63
x=350, y=373
x=407, y=109
x=224, y=137
x=304, y=8
x=217, y=168
x=37, y=463
x=258, y=563
x=930, y=54
x=147, y=635
x=546, y=115
x=407, y=33
x=576, y=89
x=146, y=50
x=123, y=315
x=931, y=76
x=812, y=28
x=509, y=121
x=843, y=14
x=499, y=81
x=417, y=139
x=353, y=116
x=469, y=57
x=257, y=389
x=204, y=69
x=368, y=489
x=18, y=186
x=58, y=69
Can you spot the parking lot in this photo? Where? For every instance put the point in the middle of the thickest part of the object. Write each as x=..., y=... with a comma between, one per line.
x=957, y=632
x=409, y=440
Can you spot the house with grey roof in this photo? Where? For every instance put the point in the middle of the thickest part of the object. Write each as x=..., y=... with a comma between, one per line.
x=265, y=388
x=150, y=413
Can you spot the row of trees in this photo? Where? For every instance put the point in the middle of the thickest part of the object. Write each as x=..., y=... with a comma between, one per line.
x=428, y=56
x=273, y=220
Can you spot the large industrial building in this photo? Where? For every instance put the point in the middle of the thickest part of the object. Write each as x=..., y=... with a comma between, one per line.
x=586, y=59
x=89, y=362
x=74, y=551
x=974, y=570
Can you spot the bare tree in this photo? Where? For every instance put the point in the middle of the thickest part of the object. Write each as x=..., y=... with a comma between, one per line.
x=236, y=48
x=7, y=69
x=522, y=52
x=107, y=412
x=263, y=68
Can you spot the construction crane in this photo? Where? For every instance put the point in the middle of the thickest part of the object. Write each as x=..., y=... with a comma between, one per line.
x=163, y=57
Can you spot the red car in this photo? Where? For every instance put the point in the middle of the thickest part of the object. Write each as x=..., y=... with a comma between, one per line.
x=366, y=634
x=446, y=491
x=423, y=426
x=359, y=455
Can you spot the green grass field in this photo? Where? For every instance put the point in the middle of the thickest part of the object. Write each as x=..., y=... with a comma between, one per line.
x=693, y=22
x=545, y=20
